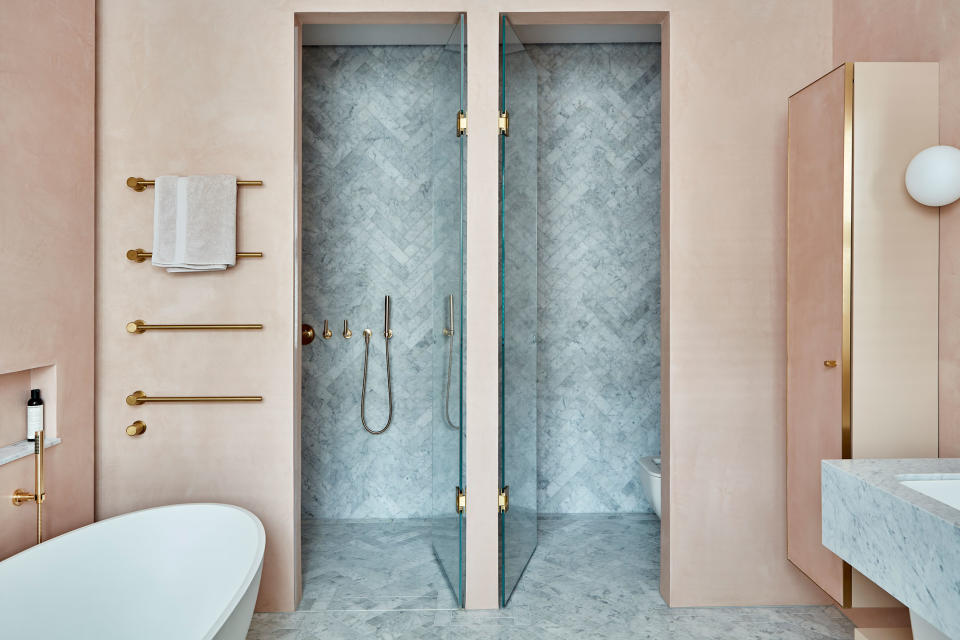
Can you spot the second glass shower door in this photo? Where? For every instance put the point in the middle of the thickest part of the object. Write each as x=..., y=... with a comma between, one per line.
x=447, y=310
x=518, y=310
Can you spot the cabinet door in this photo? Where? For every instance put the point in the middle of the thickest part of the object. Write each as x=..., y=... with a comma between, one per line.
x=818, y=318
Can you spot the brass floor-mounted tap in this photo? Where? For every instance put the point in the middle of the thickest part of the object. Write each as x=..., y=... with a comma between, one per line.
x=21, y=496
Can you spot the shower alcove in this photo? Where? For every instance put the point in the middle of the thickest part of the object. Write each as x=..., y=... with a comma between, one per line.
x=382, y=215
x=580, y=273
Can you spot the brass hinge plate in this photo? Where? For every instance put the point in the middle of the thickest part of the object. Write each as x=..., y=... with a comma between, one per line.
x=461, y=123
x=504, y=500
x=461, y=500
x=503, y=122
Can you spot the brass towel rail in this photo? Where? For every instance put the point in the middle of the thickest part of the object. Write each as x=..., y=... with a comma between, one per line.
x=139, y=326
x=139, y=397
x=139, y=184
x=139, y=255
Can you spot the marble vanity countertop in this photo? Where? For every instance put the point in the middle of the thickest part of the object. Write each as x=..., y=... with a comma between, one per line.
x=906, y=542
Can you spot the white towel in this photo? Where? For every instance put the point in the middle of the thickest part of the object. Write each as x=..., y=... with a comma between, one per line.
x=204, y=233
x=164, y=221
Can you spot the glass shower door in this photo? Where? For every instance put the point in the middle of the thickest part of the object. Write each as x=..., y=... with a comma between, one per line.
x=518, y=310
x=447, y=306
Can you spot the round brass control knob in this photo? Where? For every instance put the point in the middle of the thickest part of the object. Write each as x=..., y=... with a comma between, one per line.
x=137, y=428
x=307, y=334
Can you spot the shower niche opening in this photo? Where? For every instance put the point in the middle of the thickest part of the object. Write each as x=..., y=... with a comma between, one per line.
x=382, y=287
x=580, y=298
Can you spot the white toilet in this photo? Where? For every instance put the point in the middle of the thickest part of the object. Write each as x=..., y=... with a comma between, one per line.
x=650, y=481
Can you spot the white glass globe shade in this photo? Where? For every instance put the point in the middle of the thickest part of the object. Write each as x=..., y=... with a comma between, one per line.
x=933, y=176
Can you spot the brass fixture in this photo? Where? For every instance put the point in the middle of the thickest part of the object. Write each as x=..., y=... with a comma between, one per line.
x=138, y=326
x=327, y=332
x=139, y=255
x=461, y=500
x=387, y=332
x=449, y=332
x=503, y=123
x=346, y=330
x=139, y=397
x=461, y=123
x=830, y=364
x=307, y=334
x=137, y=428
x=139, y=184
x=22, y=496
x=503, y=501
x=367, y=334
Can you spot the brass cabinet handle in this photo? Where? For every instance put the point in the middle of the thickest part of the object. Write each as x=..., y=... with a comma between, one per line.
x=137, y=428
x=830, y=364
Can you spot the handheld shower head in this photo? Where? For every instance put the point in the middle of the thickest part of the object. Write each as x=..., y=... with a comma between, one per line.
x=387, y=333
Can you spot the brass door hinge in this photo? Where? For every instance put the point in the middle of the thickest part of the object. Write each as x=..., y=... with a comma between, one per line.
x=461, y=500
x=461, y=123
x=504, y=499
x=503, y=122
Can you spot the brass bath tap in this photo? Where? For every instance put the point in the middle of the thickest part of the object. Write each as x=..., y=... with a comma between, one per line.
x=21, y=496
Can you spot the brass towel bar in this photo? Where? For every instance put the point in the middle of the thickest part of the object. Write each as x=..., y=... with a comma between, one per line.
x=139, y=255
x=139, y=184
x=139, y=326
x=139, y=397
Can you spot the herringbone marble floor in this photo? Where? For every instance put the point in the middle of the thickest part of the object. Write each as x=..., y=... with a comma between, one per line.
x=591, y=577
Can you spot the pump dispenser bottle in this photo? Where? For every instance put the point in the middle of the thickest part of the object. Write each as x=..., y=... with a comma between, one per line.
x=34, y=414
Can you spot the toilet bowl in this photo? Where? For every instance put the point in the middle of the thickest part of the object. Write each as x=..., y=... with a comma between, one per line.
x=650, y=481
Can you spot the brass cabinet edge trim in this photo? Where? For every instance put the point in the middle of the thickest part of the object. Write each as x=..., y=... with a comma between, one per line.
x=846, y=348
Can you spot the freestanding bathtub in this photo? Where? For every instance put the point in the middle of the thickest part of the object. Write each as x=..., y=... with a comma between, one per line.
x=184, y=572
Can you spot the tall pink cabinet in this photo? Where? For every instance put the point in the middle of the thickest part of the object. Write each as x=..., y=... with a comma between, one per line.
x=862, y=293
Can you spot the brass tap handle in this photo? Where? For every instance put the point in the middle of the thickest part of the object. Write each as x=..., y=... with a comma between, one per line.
x=830, y=364
x=346, y=330
x=327, y=333
x=307, y=334
x=137, y=428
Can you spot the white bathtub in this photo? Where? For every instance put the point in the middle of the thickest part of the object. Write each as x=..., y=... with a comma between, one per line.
x=186, y=571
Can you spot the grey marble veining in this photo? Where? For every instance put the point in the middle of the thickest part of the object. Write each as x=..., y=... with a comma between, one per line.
x=592, y=577
x=905, y=541
x=373, y=182
x=23, y=449
x=598, y=390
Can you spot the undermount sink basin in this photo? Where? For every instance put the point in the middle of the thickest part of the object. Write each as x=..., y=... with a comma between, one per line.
x=944, y=488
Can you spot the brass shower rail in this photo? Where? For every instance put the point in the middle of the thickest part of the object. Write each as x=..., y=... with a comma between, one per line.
x=139, y=184
x=139, y=255
x=139, y=397
x=139, y=326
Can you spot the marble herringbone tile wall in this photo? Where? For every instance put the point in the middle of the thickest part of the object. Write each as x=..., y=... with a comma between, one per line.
x=369, y=178
x=599, y=274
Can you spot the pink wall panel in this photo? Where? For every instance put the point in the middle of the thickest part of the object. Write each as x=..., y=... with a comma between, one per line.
x=912, y=31
x=47, y=237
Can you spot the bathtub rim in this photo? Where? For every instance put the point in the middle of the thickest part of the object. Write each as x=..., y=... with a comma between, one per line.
x=235, y=599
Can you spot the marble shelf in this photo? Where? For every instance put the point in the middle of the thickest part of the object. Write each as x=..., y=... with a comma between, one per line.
x=906, y=542
x=22, y=449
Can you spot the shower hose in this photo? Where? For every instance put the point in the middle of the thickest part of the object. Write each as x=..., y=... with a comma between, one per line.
x=446, y=397
x=363, y=393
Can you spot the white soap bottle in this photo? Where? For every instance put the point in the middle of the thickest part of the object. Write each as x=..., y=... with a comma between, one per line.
x=34, y=414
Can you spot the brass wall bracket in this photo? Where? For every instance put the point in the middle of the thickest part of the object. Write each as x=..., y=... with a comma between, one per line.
x=137, y=428
x=139, y=184
x=503, y=123
x=461, y=123
x=461, y=500
x=503, y=501
x=139, y=255
x=139, y=326
x=139, y=397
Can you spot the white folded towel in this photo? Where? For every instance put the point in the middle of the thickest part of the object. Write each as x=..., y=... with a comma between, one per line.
x=164, y=221
x=204, y=233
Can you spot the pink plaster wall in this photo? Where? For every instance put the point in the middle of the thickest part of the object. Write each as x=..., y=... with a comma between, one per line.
x=921, y=30
x=191, y=87
x=47, y=256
